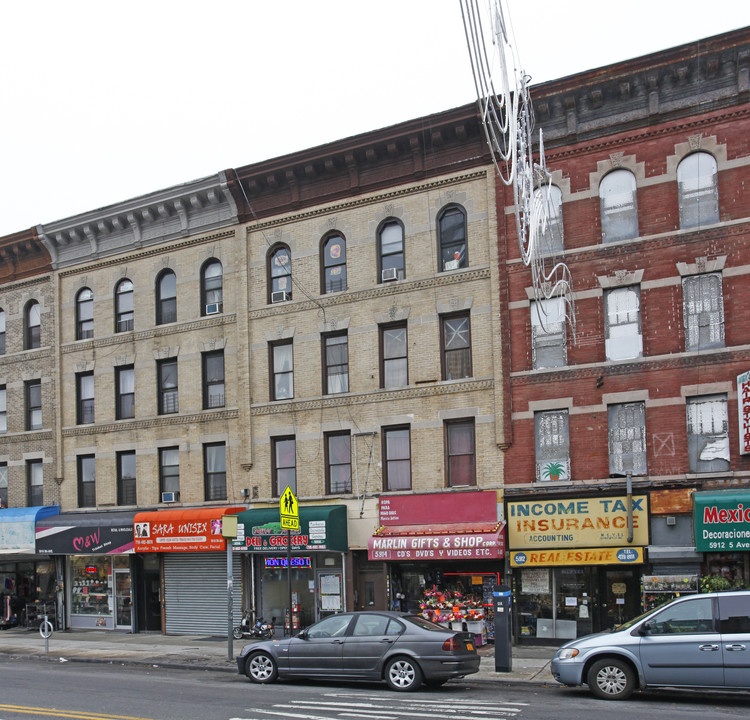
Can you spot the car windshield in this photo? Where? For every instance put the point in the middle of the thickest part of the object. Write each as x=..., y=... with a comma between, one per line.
x=419, y=621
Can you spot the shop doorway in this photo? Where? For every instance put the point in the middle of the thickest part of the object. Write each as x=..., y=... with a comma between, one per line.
x=371, y=589
x=620, y=593
x=123, y=599
x=147, y=582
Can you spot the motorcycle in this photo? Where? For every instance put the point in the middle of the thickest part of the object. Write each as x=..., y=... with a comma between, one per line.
x=258, y=630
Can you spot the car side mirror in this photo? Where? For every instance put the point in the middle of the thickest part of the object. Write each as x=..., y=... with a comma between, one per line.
x=644, y=629
x=302, y=634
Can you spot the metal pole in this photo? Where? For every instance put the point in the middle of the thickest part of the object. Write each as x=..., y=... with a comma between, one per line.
x=289, y=573
x=230, y=608
x=630, y=507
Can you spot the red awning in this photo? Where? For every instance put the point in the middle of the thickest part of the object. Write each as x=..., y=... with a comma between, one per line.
x=439, y=529
x=438, y=541
x=191, y=530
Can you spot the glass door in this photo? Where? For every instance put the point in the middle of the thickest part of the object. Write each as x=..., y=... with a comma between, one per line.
x=123, y=599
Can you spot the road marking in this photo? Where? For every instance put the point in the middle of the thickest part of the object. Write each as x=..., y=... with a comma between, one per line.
x=371, y=707
x=78, y=714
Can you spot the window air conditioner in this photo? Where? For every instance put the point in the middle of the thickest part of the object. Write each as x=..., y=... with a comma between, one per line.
x=213, y=308
x=280, y=296
x=389, y=274
x=167, y=497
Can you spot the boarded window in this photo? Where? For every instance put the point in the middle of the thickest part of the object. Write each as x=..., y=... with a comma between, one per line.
x=548, y=333
x=708, y=433
x=627, y=438
x=552, y=445
x=703, y=310
x=623, y=324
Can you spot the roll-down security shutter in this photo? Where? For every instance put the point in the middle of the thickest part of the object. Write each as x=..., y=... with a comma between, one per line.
x=195, y=593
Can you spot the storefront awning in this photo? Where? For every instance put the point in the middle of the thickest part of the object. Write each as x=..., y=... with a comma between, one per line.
x=18, y=525
x=322, y=527
x=438, y=541
x=95, y=533
x=191, y=530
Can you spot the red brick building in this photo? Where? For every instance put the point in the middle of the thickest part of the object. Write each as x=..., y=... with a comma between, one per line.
x=651, y=161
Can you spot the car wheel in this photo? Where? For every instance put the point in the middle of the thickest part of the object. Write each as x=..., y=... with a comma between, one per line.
x=261, y=668
x=237, y=633
x=611, y=679
x=403, y=674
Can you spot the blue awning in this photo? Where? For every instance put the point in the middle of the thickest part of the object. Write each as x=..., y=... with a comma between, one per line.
x=18, y=528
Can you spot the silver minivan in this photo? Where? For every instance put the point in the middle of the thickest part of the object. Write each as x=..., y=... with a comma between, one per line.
x=698, y=641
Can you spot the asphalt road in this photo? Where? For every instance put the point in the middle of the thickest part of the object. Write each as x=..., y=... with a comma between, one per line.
x=94, y=691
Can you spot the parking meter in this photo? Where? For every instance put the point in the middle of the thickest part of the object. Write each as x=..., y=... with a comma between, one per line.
x=501, y=603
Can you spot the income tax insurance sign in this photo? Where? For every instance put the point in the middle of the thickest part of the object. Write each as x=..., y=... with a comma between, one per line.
x=289, y=510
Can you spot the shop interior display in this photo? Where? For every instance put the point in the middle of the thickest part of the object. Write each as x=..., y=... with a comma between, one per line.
x=90, y=595
x=455, y=610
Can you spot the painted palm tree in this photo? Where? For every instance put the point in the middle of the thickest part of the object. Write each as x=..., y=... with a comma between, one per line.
x=553, y=470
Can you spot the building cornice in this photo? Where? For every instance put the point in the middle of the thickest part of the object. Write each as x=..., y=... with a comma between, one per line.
x=174, y=213
x=382, y=290
x=349, y=399
x=711, y=74
x=131, y=426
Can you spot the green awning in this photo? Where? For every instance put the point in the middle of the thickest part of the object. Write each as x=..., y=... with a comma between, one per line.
x=322, y=527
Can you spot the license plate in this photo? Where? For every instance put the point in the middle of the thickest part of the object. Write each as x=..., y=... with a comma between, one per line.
x=469, y=646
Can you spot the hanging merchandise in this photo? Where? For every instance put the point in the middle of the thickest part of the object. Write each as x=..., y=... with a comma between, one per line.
x=448, y=607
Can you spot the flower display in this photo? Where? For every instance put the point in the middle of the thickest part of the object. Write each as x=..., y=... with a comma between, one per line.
x=443, y=606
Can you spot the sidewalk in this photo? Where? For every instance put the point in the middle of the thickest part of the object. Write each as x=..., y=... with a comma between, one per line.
x=530, y=664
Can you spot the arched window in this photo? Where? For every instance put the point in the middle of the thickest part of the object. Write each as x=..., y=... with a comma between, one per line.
x=391, y=263
x=124, y=306
x=548, y=218
x=166, y=298
x=84, y=314
x=32, y=325
x=280, y=274
x=618, y=206
x=451, y=230
x=2, y=331
x=698, y=190
x=212, y=288
x=333, y=260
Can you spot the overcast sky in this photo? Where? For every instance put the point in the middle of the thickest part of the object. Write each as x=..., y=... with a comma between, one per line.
x=104, y=101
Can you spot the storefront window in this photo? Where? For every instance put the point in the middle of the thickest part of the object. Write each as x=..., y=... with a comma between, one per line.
x=317, y=588
x=91, y=585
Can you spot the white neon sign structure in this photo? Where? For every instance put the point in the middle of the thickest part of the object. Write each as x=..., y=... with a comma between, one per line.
x=508, y=121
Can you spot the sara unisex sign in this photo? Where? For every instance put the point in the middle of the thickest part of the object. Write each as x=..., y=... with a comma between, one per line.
x=196, y=530
x=722, y=520
x=596, y=522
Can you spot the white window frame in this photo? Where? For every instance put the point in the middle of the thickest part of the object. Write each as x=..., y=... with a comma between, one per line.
x=622, y=321
x=548, y=337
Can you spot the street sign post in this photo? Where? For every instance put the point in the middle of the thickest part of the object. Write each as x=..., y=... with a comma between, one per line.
x=289, y=510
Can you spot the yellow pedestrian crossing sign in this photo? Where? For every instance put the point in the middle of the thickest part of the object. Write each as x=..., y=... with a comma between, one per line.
x=289, y=510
